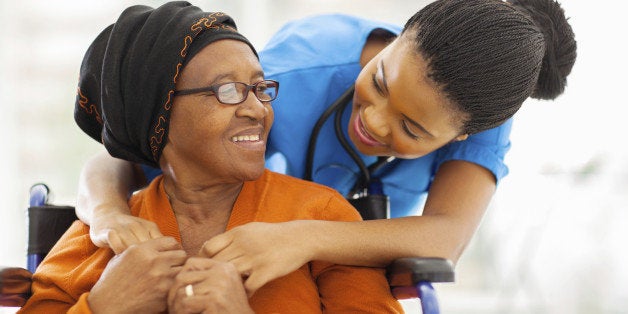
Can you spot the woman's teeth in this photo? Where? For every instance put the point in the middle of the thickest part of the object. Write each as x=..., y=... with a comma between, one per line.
x=246, y=138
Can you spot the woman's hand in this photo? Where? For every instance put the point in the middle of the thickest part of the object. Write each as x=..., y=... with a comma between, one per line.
x=119, y=231
x=208, y=286
x=262, y=252
x=138, y=280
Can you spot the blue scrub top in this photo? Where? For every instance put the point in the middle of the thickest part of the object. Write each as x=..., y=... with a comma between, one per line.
x=316, y=59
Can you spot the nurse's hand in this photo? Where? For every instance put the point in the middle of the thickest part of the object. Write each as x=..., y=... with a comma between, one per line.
x=119, y=231
x=261, y=252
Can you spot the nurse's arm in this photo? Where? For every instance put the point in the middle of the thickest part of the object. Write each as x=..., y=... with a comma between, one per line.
x=457, y=200
x=104, y=186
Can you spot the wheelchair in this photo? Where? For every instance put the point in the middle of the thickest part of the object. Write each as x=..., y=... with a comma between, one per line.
x=410, y=277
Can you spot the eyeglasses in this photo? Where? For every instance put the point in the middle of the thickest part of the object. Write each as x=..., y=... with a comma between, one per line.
x=233, y=93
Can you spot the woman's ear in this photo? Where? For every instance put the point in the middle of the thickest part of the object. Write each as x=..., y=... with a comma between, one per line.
x=460, y=138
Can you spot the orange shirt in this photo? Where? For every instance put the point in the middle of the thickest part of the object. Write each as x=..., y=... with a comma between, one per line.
x=65, y=277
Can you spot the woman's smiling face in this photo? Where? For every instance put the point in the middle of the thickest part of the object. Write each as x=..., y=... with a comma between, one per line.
x=397, y=110
x=219, y=141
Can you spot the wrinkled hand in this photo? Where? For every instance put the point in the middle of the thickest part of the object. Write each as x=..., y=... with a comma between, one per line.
x=139, y=279
x=261, y=252
x=119, y=231
x=217, y=288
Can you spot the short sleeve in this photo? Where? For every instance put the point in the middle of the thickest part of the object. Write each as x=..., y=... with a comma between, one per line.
x=487, y=149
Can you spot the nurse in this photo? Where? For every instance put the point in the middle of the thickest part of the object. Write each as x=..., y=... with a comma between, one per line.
x=438, y=95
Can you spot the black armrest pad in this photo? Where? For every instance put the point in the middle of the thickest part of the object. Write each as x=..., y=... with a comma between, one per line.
x=15, y=286
x=409, y=271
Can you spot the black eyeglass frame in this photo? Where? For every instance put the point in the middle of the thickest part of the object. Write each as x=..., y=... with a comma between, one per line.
x=214, y=90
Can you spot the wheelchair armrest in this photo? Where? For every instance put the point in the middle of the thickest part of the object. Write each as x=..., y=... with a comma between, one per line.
x=15, y=286
x=409, y=271
x=405, y=274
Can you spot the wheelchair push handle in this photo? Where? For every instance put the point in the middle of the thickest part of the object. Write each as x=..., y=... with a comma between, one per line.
x=39, y=194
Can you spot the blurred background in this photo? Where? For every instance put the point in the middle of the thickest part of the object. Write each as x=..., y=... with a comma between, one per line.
x=552, y=240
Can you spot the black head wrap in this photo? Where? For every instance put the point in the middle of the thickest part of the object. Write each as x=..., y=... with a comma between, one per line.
x=129, y=72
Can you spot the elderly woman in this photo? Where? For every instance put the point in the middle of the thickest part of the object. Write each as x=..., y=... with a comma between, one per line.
x=180, y=89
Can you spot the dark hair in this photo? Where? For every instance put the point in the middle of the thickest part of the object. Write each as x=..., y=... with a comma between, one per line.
x=488, y=56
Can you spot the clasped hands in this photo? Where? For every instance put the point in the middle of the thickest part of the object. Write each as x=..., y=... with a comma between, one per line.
x=229, y=267
x=157, y=275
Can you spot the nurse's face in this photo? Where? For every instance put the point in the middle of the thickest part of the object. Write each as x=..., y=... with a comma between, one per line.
x=397, y=110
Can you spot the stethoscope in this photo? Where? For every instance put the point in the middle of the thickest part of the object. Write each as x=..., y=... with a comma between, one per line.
x=366, y=184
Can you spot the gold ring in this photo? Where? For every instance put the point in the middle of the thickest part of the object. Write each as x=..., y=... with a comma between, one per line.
x=189, y=290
